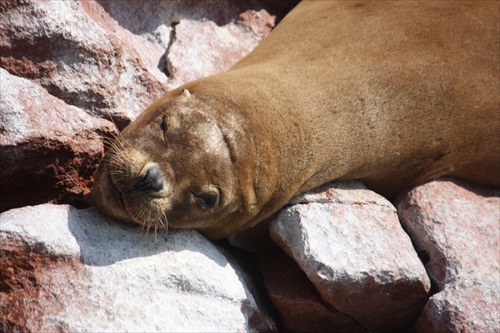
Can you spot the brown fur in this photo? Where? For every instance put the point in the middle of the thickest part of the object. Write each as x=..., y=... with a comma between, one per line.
x=390, y=93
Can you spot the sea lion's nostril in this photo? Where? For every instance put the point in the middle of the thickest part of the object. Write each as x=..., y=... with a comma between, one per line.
x=153, y=181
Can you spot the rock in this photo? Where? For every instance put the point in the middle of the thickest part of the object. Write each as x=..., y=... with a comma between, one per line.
x=301, y=307
x=467, y=305
x=258, y=22
x=48, y=150
x=64, y=269
x=349, y=243
x=455, y=225
x=205, y=48
x=77, y=55
x=256, y=239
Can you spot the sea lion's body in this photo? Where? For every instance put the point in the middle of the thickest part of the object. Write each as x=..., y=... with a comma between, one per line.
x=390, y=93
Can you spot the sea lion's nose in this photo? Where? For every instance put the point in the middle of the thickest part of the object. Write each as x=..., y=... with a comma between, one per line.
x=153, y=181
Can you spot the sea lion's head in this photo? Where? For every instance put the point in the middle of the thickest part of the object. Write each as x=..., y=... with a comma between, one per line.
x=177, y=165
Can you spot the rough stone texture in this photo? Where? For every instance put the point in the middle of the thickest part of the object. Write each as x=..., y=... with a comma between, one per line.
x=300, y=305
x=84, y=60
x=350, y=244
x=456, y=226
x=191, y=44
x=64, y=269
x=48, y=150
x=258, y=22
x=78, y=57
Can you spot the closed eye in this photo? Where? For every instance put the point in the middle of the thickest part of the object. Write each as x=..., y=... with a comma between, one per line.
x=163, y=124
x=207, y=200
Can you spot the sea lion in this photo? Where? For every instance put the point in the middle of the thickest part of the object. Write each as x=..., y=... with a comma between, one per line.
x=389, y=93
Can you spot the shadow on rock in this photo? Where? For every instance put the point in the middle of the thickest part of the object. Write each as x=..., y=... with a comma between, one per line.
x=104, y=241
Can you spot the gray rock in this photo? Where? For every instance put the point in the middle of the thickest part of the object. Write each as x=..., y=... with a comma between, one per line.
x=75, y=270
x=301, y=307
x=466, y=305
x=110, y=60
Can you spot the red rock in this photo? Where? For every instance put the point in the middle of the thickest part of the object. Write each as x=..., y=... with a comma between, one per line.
x=300, y=305
x=25, y=271
x=466, y=305
x=456, y=226
x=48, y=149
x=348, y=241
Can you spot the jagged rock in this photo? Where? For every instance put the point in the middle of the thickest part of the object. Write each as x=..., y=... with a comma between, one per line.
x=350, y=244
x=466, y=305
x=300, y=305
x=207, y=49
x=456, y=226
x=63, y=269
x=49, y=150
x=78, y=57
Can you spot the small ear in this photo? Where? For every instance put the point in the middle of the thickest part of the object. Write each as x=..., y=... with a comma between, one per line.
x=186, y=93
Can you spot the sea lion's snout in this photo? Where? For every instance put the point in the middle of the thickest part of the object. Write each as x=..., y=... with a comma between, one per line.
x=130, y=186
x=152, y=182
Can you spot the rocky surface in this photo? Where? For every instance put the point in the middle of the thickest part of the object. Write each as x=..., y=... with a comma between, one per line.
x=49, y=150
x=71, y=270
x=298, y=302
x=73, y=72
x=69, y=53
x=457, y=228
x=350, y=244
x=190, y=44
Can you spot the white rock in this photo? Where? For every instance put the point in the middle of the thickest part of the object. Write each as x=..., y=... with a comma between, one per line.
x=110, y=278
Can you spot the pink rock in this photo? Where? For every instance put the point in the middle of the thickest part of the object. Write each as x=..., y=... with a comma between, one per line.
x=300, y=305
x=456, y=226
x=48, y=150
x=350, y=244
x=201, y=49
x=259, y=22
x=466, y=305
